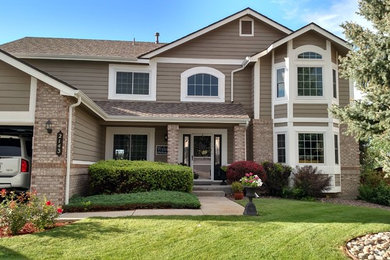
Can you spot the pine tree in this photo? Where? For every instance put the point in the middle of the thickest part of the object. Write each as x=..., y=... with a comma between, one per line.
x=368, y=65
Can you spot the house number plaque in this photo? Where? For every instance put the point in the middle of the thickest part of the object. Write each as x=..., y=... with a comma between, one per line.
x=60, y=138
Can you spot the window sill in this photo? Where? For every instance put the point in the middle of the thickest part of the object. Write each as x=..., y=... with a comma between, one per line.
x=203, y=99
x=132, y=97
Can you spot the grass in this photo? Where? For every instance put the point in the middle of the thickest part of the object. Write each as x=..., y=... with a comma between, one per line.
x=152, y=199
x=285, y=229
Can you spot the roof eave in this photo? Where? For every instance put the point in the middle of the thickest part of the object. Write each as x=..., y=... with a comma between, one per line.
x=81, y=58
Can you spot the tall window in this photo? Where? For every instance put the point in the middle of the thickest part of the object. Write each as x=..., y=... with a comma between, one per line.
x=202, y=84
x=334, y=75
x=281, y=148
x=130, y=147
x=132, y=83
x=311, y=148
x=310, y=81
x=280, y=82
x=309, y=55
x=336, y=149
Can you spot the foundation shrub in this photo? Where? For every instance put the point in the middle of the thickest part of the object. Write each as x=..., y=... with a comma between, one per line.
x=375, y=187
x=277, y=177
x=123, y=176
x=237, y=170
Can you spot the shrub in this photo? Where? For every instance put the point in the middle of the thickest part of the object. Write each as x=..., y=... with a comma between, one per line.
x=237, y=187
x=18, y=210
x=277, y=177
x=238, y=169
x=123, y=176
x=379, y=194
x=310, y=182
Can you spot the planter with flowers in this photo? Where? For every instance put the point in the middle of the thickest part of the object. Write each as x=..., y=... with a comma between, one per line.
x=238, y=190
x=251, y=182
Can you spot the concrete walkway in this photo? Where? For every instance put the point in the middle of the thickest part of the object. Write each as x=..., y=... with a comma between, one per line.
x=209, y=206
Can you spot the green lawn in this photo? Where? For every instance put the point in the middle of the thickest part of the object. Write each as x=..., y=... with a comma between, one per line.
x=285, y=229
x=152, y=199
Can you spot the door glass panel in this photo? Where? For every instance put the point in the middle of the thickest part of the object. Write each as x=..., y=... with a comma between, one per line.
x=186, y=150
x=202, y=156
x=139, y=147
x=217, y=157
x=121, y=147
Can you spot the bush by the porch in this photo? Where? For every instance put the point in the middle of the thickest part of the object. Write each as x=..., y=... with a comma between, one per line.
x=123, y=176
x=277, y=177
x=238, y=169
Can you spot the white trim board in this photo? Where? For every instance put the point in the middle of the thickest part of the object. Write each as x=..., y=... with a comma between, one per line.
x=198, y=61
x=209, y=28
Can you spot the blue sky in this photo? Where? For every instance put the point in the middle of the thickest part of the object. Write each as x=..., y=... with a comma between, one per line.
x=124, y=20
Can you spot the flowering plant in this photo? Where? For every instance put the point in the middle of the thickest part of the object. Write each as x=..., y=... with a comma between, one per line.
x=251, y=180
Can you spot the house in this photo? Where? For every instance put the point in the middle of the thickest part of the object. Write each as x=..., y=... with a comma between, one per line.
x=242, y=88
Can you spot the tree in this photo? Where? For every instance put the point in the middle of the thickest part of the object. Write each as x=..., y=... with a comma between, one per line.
x=368, y=65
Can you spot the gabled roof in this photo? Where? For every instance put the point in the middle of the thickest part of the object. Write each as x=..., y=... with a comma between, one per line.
x=247, y=11
x=65, y=88
x=80, y=49
x=304, y=29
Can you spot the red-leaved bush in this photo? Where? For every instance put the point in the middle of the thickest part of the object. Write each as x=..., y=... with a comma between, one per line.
x=238, y=169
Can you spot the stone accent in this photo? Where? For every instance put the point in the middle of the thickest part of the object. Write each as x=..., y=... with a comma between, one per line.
x=262, y=140
x=239, y=143
x=350, y=165
x=48, y=170
x=173, y=144
x=79, y=180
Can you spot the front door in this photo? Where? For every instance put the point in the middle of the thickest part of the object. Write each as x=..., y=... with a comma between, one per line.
x=202, y=156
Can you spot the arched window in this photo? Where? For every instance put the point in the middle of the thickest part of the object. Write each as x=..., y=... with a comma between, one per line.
x=202, y=84
x=309, y=55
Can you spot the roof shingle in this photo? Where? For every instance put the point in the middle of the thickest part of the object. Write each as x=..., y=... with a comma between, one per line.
x=65, y=47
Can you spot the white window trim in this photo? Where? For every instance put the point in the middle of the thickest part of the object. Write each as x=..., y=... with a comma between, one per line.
x=335, y=100
x=114, y=68
x=253, y=26
x=111, y=131
x=216, y=73
x=277, y=99
x=281, y=131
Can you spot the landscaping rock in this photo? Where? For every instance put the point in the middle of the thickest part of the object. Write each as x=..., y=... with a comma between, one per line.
x=371, y=247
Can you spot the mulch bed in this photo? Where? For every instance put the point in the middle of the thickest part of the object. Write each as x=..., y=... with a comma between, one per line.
x=30, y=229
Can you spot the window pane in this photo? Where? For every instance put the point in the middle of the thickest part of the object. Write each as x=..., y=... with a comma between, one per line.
x=311, y=148
x=124, y=82
x=246, y=27
x=281, y=148
x=141, y=84
x=121, y=147
x=139, y=147
x=309, y=55
x=309, y=81
x=336, y=149
x=334, y=83
x=202, y=85
x=186, y=150
x=191, y=90
x=280, y=83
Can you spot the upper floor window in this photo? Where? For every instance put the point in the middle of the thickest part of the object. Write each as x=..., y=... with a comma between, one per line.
x=310, y=81
x=280, y=82
x=334, y=81
x=129, y=82
x=246, y=26
x=309, y=55
x=203, y=84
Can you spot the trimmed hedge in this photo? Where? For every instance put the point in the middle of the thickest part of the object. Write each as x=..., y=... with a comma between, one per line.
x=123, y=176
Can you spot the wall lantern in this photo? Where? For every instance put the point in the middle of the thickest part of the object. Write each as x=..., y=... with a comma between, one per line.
x=166, y=137
x=49, y=126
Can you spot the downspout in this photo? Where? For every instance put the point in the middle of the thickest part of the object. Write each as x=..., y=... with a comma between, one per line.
x=69, y=149
x=243, y=65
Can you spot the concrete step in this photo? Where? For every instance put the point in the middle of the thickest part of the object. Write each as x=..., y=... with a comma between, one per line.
x=206, y=182
x=209, y=193
x=225, y=188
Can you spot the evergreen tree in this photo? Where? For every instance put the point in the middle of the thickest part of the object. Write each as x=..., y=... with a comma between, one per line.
x=368, y=65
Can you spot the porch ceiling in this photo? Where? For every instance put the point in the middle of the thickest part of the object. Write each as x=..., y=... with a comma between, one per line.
x=174, y=110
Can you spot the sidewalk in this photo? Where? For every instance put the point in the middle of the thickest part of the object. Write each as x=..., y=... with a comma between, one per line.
x=209, y=206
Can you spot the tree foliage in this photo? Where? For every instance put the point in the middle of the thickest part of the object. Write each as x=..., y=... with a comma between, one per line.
x=368, y=65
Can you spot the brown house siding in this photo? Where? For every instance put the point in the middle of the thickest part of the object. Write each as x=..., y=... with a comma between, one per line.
x=90, y=77
x=14, y=89
x=225, y=42
x=343, y=92
x=310, y=110
x=265, y=87
x=280, y=111
x=89, y=136
x=310, y=38
x=280, y=53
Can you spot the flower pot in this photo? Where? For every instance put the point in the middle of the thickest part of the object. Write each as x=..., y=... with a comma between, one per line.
x=238, y=195
x=250, y=191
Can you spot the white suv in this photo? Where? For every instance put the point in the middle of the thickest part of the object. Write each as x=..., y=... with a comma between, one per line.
x=15, y=162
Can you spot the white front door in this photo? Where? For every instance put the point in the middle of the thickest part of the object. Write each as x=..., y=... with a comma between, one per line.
x=202, y=156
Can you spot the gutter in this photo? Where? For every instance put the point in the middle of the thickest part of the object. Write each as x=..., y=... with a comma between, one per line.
x=243, y=66
x=69, y=148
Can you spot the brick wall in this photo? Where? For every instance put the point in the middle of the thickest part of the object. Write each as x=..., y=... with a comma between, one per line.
x=350, y=165
x=173, y=144
x=262, y=140
x=48, y=170
x=239, y=143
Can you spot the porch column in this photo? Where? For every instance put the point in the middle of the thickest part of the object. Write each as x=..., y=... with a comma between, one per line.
x=239, y=143
x=173, y=144
x=262, y=140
